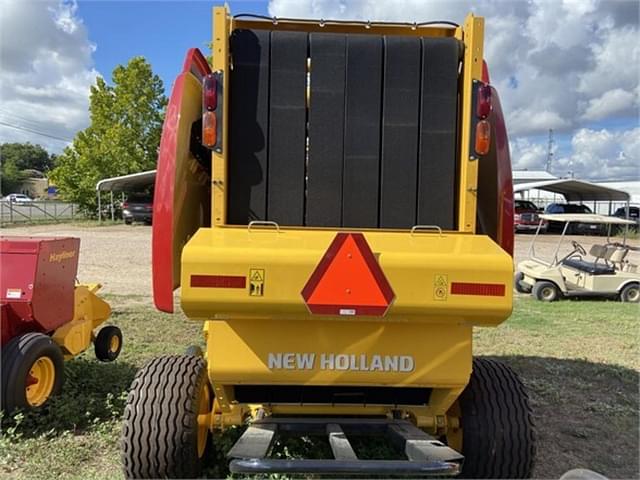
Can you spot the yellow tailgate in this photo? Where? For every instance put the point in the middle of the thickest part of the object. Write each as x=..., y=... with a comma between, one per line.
x=231, y=273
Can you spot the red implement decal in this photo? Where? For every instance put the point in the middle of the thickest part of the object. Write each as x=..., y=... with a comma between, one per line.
x=218, y=281
x=348, y=280
x=482, y=289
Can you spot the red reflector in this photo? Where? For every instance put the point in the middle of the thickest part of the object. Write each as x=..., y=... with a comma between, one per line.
x=483, y=101
x=209, y=129
x=348, y=280
x=483, y=137
x=210, y=92
x=484, y=289
x=218, y=281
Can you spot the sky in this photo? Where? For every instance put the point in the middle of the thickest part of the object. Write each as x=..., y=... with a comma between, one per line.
x=568, y=65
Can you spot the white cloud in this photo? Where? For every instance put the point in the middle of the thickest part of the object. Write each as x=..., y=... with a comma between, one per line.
x=610, y=103
x=46, y=71
x=528, y=155
x=604, y=154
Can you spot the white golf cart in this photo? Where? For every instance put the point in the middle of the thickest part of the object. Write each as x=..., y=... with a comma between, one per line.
x=604, y=272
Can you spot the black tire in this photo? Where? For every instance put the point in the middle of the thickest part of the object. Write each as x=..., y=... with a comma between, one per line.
x=630, y=293
x=19, y=357
x=546, y=291
x=128, y=221
x=498, y=439
x=520, y=288
x=108, y=343
x=160, y=430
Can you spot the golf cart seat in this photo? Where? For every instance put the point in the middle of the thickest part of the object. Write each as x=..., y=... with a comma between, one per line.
x=588, y=267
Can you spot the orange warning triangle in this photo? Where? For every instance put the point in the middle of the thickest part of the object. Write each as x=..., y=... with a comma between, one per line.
x=348, y=280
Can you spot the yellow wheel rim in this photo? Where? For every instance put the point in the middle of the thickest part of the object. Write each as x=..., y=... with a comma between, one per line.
x=114, y=344
x=204, y=409
x=40, y=381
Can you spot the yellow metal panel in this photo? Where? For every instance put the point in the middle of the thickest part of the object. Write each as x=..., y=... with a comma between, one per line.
x=418, y=267
x=472, y=69
x=220, y=49
x=238, y=353
x=89, y=312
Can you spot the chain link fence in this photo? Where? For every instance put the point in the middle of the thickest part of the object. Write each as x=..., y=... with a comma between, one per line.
x=37, y=211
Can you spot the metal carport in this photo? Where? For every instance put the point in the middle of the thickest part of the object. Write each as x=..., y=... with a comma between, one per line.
x=577, y=191
x=122, y=183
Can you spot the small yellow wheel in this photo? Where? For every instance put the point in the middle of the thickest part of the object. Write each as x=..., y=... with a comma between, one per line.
x=108, y=343
x=32, y=367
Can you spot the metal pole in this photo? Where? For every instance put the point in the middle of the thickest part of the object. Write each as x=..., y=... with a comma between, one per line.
x=99, y=209
x=113, y=215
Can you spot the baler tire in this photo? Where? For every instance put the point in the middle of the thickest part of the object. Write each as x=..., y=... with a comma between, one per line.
x=160, y=429
x=19, y=356
x=630, y=294
x=517, y=278
x=546, y=291
x=108, y=343
x=498, y=439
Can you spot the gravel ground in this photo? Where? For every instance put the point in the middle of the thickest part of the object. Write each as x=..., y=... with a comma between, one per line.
x=119, y=256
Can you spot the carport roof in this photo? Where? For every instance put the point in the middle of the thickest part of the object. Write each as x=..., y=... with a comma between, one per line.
x=576, y=190
x=127, y=182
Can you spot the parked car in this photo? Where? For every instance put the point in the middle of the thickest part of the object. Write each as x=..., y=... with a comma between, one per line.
x=526, y=217
x=18, y=198
x=634, y=215
x=138, y=208
x=574, y=228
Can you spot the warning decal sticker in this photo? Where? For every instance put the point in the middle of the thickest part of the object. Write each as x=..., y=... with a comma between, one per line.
x=440, y=287
x=256, y=282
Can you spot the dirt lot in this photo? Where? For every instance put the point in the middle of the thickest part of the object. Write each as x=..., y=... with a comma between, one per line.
x=119, y=256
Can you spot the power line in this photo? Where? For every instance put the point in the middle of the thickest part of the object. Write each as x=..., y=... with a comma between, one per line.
x=30, y=130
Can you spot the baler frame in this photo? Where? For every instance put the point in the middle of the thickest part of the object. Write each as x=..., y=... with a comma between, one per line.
x=254, y=285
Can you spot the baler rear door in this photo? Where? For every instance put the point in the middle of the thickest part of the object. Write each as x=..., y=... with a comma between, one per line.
x=182, y=197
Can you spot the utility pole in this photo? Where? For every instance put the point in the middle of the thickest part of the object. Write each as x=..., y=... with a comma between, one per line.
x=549, y=152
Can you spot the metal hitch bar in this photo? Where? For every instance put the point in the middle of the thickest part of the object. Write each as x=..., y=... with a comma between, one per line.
x=424, y=454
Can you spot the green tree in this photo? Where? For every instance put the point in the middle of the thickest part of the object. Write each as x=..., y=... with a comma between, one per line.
x=17, y=157
x=26, y=156
x=123, y=135
x=10, y=177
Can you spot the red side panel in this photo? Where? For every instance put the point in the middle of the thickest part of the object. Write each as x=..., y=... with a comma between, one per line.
x=505, y=179
x=171, y=188
x=37, y=282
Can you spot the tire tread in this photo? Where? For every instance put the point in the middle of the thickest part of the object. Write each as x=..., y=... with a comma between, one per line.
x=498, y=431
x=159, y=436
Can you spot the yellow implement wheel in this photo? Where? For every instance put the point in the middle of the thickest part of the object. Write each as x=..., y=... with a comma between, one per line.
x=40, y=381
x=108, y=343
x=204, y=415
x=32, y=367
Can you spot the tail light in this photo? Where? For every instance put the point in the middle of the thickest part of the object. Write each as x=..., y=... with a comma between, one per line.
x=210, y=93
x=517, y=217
x=209, y=129
x=125, y=205
x=483, y=102
x=483, y=137
x=211, y=86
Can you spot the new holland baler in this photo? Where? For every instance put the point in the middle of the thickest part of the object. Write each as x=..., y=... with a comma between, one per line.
x=334, y=199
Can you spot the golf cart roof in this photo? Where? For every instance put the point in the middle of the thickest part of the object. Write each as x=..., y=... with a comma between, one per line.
x=585, y=218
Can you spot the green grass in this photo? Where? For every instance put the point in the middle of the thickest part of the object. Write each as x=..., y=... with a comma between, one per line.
x=579, y=360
